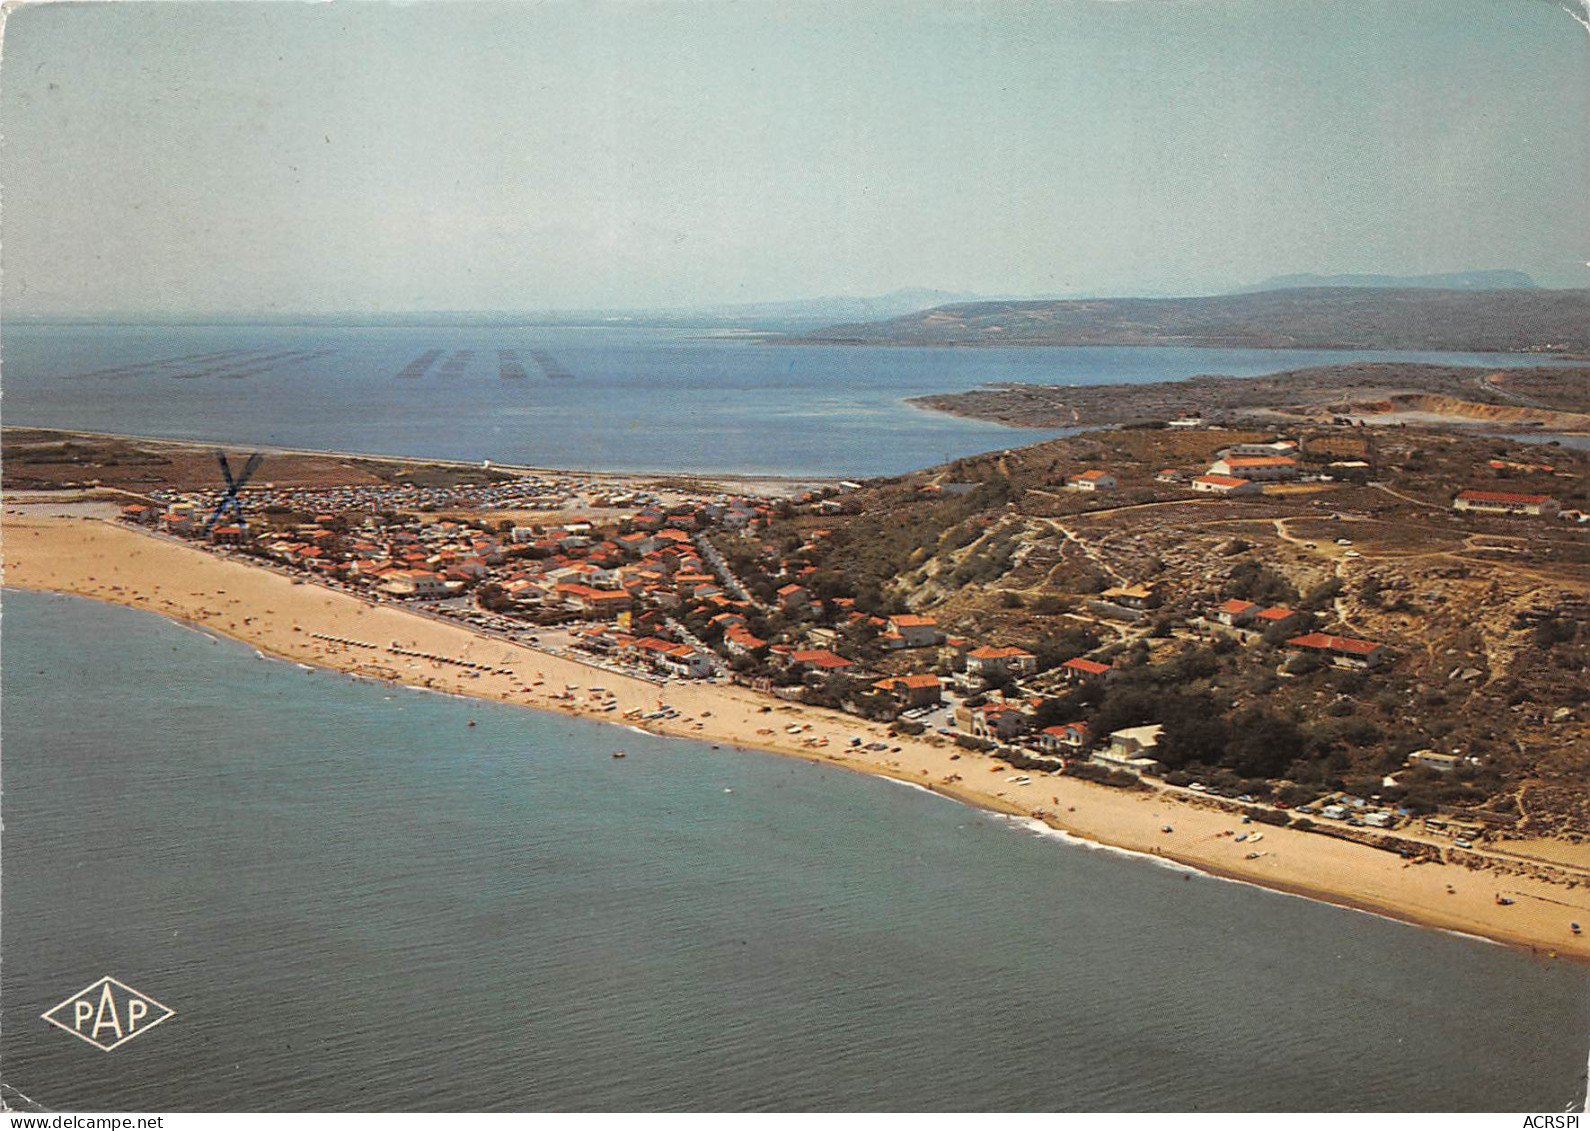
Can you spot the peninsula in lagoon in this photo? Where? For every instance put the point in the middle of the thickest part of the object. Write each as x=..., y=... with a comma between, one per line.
x=1082, y=632
x=488, y=625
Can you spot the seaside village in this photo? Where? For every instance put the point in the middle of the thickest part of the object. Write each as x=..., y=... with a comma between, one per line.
x=722, y=587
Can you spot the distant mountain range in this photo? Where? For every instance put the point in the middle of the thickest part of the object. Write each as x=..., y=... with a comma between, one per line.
x=813, y=310
x=1408, y=318
x=1451, y=281
x=923, y=315
x=834, y=307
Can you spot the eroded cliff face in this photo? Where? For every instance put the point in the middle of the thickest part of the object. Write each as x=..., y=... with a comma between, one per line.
x=1461, y=411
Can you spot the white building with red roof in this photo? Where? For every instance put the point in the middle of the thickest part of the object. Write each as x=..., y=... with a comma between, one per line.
x=1504, y=502
x=1343, y=651
x=819, y=659
x=1225, y=485
x=912, y=690
x=1082, y=669
x=1255, y=467
x=993, y=663
x=1233, y=613
x=1092, y=480
x=1063, y=739
x=915, y=631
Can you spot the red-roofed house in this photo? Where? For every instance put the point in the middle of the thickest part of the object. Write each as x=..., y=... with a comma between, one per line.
x=915, y=631
x=1092, y=480
x=598, y=602
x=995, y=663
x=1064, y=738
x=1233, y=613
x=684, y=661
x=819, y=659
x=1266, y=619
x=1081, y=669
x=1225, y=485
x=1502, y=502
x=1343, y=651
x=738, y=641
x=993, y=721
x=1255, y=467
x=912, y=690
x=179, y=518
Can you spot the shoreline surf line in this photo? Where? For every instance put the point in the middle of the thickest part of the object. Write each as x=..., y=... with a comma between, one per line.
x=1342, y=873
x=1043, y=830
x=1035, y=826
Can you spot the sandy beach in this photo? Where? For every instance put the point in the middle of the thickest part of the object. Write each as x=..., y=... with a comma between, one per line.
x=90, y=557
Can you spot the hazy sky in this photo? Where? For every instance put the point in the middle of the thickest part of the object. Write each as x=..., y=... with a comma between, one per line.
x=171, y=157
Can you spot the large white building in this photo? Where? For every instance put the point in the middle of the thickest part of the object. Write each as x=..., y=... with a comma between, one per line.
x=1132, y=750
x=1502, y=502
x=1225, y=485
x=415, y=583
x=1255, y=467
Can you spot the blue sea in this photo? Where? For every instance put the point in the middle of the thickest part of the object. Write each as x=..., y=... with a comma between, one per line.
x=355, y=900
x=620, y=397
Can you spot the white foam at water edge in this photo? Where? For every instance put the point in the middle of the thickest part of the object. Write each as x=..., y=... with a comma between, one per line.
x=1038, y=827
x=14, y=1090
x=919, y=787
x=195, y=628
x=1032, y=824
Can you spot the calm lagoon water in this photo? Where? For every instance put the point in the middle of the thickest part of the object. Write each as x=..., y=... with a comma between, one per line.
x=636, y=398
x=353, y=900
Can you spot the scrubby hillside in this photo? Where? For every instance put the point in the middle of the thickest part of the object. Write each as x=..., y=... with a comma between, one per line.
x=1309, y=318
x=1482, y=619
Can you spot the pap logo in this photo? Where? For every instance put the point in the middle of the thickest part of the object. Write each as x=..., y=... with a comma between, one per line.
x=108, y=1014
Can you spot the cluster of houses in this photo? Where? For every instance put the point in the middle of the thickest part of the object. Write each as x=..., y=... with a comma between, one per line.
x=1249, y=620
x=639, y=577
x=528, y=492
x=654, y=563
x=1241, y=469
x=666, y=657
